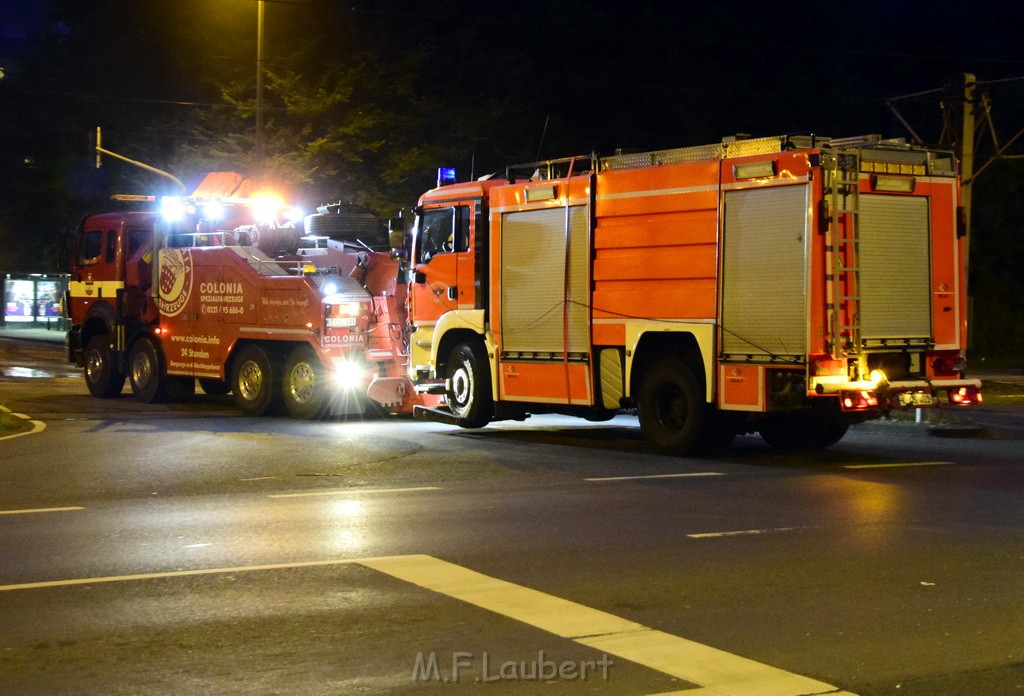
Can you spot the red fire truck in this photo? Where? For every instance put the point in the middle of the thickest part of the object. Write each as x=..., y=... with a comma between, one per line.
x=790, y=286
x=217, y=291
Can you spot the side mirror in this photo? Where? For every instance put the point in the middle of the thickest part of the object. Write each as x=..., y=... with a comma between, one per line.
x=396, y=238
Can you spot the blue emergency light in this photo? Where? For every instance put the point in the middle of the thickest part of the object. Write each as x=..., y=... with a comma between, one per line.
x=445, y=175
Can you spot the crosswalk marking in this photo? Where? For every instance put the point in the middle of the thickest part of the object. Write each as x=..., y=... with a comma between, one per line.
x=716, y=672
x=722, y=673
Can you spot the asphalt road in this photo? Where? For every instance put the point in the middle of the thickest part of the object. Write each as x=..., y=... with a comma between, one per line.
x=186, y=549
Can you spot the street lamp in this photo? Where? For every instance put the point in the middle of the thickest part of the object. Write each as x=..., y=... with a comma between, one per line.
x=259, y=89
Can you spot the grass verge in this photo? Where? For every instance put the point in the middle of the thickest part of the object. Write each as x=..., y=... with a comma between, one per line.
x=12, y=425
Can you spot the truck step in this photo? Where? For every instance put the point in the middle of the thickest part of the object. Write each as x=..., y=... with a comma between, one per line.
x=435, y=415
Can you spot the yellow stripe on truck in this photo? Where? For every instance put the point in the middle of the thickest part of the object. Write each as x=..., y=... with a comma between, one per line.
x=95, y=289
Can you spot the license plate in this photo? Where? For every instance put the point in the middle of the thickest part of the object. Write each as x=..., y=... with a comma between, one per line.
x=917, y=399
x=340, y=322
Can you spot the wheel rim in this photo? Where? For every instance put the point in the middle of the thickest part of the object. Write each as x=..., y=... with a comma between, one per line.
x=250, y=381
x=462, y=386
x=142, y=370
x=302, y=383
x=94, y=367
x=671, y=411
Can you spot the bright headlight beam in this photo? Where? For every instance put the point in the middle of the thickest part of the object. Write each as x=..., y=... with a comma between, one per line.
x=347, y=374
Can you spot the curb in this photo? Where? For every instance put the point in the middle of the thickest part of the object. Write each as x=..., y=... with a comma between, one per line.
x=37, y=426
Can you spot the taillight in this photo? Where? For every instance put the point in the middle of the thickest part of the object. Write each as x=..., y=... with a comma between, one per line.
x=965, y=396
x=860, y=400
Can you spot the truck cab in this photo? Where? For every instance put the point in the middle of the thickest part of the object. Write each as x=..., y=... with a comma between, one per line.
x=108, y=292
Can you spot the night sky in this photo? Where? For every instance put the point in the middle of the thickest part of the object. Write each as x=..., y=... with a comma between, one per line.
x=477, y=86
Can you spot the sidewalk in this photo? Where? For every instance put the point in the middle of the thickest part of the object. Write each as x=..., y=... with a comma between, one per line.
x=33, y=332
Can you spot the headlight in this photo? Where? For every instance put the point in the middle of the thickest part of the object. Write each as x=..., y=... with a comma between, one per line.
x=347, y=374
x=172, y=208
x=213, y=211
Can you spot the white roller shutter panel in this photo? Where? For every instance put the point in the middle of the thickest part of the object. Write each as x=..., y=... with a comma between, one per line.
x=764, y=307
x=895, y=267
x=533, y=273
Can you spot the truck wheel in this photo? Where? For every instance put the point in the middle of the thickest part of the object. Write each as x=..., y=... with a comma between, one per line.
x=254, y=381
x=468, y=386
x=719, y=432
x=671, y=407
x=801, y=432
x=831, y=432
x=304, y=384
x=146, y=372
x=101, y=374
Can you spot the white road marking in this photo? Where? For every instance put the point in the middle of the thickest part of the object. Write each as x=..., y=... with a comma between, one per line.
x=896, y=465
x=259, y=478
x=744, y=532
x=719, y=673
x=37, y=426
x=34, y=510
x=724, y=674
x=354, y=491
x=174, y=574
x=655, y=476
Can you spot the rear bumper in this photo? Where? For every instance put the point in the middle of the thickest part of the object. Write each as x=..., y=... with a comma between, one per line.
x=925, y=393
x=918, y=393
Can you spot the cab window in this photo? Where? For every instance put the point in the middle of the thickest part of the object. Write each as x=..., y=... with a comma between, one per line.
x=443, y=231
x=136, y=238
x=437, y=233
x=90, y=248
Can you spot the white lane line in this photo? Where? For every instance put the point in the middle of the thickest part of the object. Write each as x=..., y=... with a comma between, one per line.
x=34, y=510
x=745, y=532
x=723, y=673
x=896, y=465
x=37, y=426
x=655, y=476
x=259, y=478
x=176, y=574
x=354, y=491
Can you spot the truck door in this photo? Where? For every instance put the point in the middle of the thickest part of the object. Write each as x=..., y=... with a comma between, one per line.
x=444, y=277
x=97, y=271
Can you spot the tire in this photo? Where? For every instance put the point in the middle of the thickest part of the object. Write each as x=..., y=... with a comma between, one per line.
x=146, y=372
x=719, y=432
x=468, y=386
x=102, y=377
x=599, y=415
x=801, y=432
x=831, y=432
x=304, y=384
x=214, y=387
x=255, y=380
x=671, y=407
x=347, y=227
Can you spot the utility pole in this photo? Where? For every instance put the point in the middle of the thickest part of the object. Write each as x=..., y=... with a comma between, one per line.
x=967, y=161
